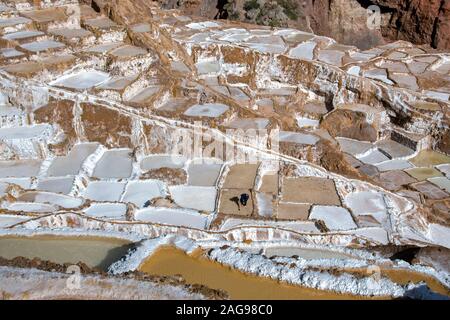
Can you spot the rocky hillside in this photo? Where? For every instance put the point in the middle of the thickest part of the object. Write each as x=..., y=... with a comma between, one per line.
x=417, y=21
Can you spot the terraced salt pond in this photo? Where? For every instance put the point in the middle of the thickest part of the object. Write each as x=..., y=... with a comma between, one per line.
x=305, y=253
x=81, y=81
x=404, y=276
x=96, y=252
x=197, y=270
x=428, y=158
x=178, y=217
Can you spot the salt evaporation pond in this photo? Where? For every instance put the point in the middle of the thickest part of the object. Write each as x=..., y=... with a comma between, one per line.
x=8, y=220
x=71, y=164
x=176, y=217
x=81, y=81
x=194, y=197
x=99, y=252
x=196, y=269
x=104, y=191
x=305, y=253
x=52, y=198
x=162, y=161
x=31, y=207
x=19, y=168
x=107, y=210
x=114, y=164
x=139, y=192
x=45, y=45
x=211, y=110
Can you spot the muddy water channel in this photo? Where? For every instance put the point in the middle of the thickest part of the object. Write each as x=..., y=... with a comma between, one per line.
x=405, y=276
x=196, y=269
x=96, y=252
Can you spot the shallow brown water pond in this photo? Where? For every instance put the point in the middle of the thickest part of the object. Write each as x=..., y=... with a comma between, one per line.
x=196, y=269
x=96, y=252
x=403, y=277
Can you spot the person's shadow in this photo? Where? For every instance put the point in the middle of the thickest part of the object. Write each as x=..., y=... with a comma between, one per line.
x=242, y=200
x=236, y=200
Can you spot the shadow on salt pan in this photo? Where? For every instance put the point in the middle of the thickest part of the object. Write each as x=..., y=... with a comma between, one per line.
x=81, y=81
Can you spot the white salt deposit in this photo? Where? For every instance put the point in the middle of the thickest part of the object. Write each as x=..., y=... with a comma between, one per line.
x=177, y=217
x=211, y=110
x=354, y=147
x=115, y=163
x=10, y=53
x=444, y=168
x=104, y=191
x=25, y=132
x=52, y=198
x=19, y=168
x=44, y=45
x=107, y=210
x=300, y=138
x=31, y=207
x=301, y=226
x=367, y=203
x=156, y=161
x=394, y=165
x=71, y=164
x=56, y=184
x=8, y=22
x=81, y=81
x=335, y=218
x=303, y=122
x=23, y=35
x=265, y=206
x=193, y=197
x=24, y=183
x=373, y=157
x=303, y=51
x=7, y=220
x=441, y=182
x=440, y=235
x=378, y=235
x=202, y=25
x=139, y=192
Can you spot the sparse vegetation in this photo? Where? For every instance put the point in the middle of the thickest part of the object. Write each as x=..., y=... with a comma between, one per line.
x=274, y=13
x=251, y=5
x=290, y=8
x=230, y=8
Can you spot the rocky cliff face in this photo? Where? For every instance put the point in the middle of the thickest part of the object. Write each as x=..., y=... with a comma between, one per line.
x=421, y=22
x=417, y=21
